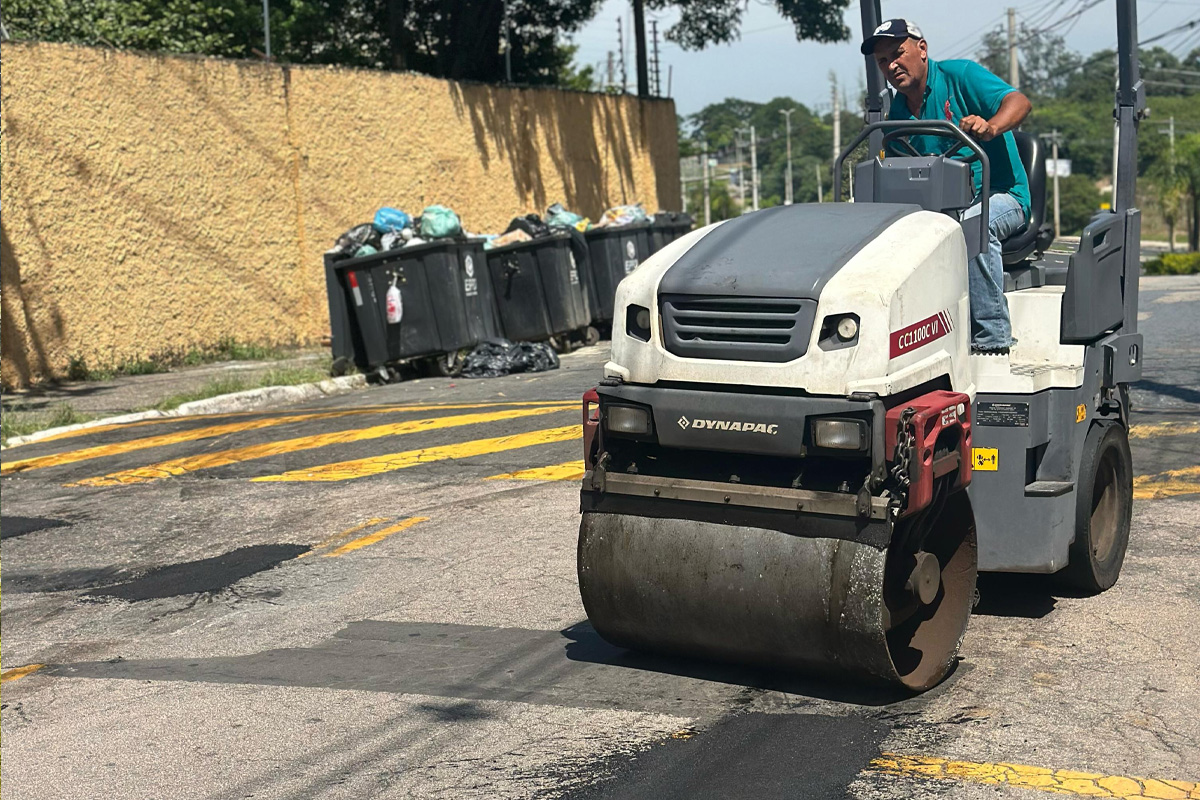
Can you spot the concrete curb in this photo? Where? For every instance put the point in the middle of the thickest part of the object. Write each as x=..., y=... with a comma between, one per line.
x=248, y=400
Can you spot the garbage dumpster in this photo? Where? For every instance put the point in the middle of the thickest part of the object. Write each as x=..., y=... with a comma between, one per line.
x=440, y=313
x=539, y=291
x=666, y=227
x=613, y=253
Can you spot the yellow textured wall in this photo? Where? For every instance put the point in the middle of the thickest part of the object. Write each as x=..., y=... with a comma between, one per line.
x=149, y=205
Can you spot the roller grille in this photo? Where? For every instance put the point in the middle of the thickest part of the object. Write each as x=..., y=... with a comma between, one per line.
x=737, y=328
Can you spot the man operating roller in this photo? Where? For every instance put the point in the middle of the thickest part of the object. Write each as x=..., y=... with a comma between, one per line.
x=988, y=109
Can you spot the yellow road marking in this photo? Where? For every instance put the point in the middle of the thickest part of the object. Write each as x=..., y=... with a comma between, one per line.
x=1164, y=429
x=19, y=672
x=378, y=536
x=1059, y=781
x=337, y=537
x=570, y=471
x=212, y=431
x=377, y=465
x=1166, y=484
x=181, y=466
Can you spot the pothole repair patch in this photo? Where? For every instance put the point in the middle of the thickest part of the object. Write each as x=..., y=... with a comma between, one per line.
x=206, y=576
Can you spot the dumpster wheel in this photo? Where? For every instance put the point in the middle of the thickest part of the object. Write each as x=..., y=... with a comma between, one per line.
x=449, y=365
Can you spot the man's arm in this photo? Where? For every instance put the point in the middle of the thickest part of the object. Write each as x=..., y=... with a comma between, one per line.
x=1014, y=108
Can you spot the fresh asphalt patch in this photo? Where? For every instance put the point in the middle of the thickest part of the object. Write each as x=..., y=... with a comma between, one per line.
x=11, y=527
x=752, y=755
x=206, y=576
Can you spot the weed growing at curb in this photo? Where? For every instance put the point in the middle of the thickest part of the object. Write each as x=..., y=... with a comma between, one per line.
x=282, y=376
x=24, y=424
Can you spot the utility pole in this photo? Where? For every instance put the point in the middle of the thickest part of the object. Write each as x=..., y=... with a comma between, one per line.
x=820, y=189
x=621, y=56
x=787, y=115
x=737, y=145
x=754, y=164
x=657, y=70
x=707, y=197
x=639, y=39
x=837, y=123
x=507, y=47
x=267, y=27
x=1054, y=138
x=610, y=69
x=1170, y=131
x=1014, y=67
x=670, y=72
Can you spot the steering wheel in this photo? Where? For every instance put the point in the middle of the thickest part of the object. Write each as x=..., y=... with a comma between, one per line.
x=902, y=139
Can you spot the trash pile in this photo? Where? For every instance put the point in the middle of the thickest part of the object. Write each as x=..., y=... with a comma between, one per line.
x=622, y=215
x=532, y=226
x=493, y=358
x=393, y=229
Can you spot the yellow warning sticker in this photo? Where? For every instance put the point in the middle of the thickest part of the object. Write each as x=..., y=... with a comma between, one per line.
x=985, y=459
x=1080, y=413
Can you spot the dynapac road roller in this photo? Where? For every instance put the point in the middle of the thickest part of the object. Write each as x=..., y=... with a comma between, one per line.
x=795, y=461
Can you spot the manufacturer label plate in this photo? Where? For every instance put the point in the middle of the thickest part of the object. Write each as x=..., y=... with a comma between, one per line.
x=1002, y=415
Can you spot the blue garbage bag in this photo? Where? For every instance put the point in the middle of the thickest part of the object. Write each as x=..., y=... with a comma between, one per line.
x=438, y=222
x=389, y=219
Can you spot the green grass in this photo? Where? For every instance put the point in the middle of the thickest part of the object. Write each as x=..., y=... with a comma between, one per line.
x=1174, y=264
x=226, y=349
x=281, y=376
x=17, y=422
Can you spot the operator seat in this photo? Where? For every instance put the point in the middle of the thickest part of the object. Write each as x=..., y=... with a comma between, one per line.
x=1037, y=235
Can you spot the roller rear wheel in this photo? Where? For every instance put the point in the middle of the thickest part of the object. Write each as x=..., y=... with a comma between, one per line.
x=1103, y=510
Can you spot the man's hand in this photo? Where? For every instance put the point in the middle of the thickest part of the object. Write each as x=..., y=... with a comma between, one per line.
x=978, y=127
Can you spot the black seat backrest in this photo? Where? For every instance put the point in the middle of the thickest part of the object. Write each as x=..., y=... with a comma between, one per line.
x=1033, y=155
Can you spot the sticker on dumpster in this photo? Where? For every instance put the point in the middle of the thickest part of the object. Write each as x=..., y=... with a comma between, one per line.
x=573, y=275
x=630, y=249
x=470, y=283
x=631, y=265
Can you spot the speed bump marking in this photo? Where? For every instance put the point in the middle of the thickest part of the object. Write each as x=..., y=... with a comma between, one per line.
x=985, y=459
x=1057, y=781
x=16, y=673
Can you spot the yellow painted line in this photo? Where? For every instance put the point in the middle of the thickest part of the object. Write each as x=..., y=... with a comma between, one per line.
x=570, y=471
x=373, y=538
x=19, y=672
x=1164, y=429
x=337, y=537
x=360, y=409
x=1167, y=484
x=1057, y=781
x=181, y=466
x=212, y=431
x=377, y=465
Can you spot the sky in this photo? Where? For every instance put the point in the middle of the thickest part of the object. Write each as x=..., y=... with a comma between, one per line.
x=768, y=62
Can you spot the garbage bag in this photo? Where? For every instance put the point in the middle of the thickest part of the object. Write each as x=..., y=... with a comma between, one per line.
x=350, y=241
x=492, y=358
x=390, y=219
x=512, y=237
x=559, y=217
x=439, y=222
x=623, y=215
x=365, y=250
x=531, y=224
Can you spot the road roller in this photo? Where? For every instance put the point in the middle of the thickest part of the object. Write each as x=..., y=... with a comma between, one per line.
x=795, y=461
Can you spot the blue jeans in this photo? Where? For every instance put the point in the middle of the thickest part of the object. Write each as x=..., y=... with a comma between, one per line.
x=990, y=326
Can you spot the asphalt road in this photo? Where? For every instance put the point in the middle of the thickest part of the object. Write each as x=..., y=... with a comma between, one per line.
x=375, y=596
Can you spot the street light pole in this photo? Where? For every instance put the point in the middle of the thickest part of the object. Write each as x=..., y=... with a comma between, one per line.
x=267, y=27
x=787, y=115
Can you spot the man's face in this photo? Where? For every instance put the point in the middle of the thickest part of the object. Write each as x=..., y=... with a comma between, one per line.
x=903, y=63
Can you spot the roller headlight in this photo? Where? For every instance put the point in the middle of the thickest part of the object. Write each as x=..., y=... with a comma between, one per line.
x=839, y=434
x=627, y=420
x=637, y=322
x=847, y=328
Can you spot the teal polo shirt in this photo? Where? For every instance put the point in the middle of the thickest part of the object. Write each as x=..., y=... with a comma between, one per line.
x=960, y=88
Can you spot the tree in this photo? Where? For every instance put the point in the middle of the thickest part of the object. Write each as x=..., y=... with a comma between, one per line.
x=458, y=39
x=1079, y=200
x=1043, y=60
x=1188, y=170
x=706, y=22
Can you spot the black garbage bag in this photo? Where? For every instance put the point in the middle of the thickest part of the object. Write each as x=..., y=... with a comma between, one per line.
x=349, y=242
x=531, y=224
x=492, y=358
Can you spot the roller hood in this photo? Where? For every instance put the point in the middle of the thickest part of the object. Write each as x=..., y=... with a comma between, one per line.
x=787, y=251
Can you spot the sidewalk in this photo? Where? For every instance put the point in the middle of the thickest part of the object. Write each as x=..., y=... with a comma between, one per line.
x=131, y=393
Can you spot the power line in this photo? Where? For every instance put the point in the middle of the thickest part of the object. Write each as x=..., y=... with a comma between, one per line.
x=1190, y=24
